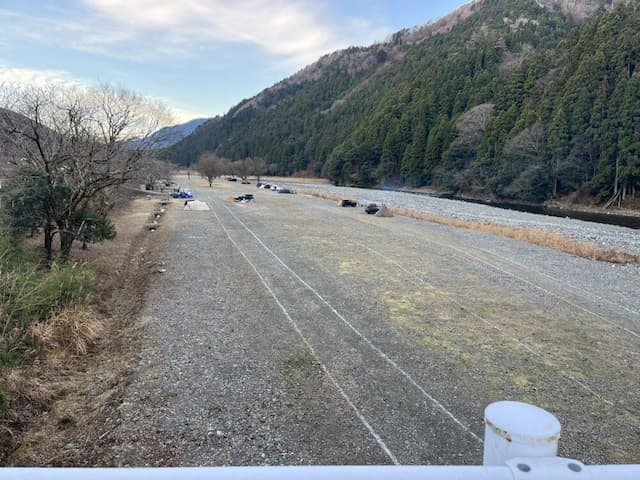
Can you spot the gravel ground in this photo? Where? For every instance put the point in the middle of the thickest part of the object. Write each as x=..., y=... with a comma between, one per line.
x=607, y=236
x=290, y=331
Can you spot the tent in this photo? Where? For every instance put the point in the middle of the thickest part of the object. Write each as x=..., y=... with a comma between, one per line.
x=197, y=206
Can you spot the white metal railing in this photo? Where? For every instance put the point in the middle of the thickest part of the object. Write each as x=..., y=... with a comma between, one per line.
x=520, y=443
x=540, y=469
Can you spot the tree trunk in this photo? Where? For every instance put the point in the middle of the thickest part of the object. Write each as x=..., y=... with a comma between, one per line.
x=48, y=240
x=615, y=181
x=66, y=241
x=555, y=178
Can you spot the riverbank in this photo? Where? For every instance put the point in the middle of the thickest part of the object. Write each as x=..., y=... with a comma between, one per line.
x=568, y=207
x=605, y=236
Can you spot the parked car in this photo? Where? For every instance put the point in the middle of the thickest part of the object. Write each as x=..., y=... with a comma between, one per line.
x=232, y=179
x=372, y=208
x=244, y=198
x=284, y=190
x=348, y=203
x=181, y=193
x=246, y=182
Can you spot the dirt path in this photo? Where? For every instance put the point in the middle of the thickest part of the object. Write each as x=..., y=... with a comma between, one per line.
x=289, y=331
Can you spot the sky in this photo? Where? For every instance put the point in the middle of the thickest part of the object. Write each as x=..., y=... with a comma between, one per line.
x=200, y=57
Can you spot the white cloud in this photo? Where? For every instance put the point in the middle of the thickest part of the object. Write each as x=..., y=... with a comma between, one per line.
x=182, y=113
x=35, y=77
x=48, y=77
x=281, y=27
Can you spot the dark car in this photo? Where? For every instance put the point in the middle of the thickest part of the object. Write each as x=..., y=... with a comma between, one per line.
x=231, y=179
x=284, y=190
x=244, y=198
x=372, y=208
x=348, y=203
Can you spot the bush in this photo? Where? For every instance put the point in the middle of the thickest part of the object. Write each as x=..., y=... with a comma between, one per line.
x=74, y=329
x=30, y=293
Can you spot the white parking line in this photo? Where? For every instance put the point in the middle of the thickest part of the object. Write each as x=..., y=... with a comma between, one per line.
x=487, y=322
x=391, y=362
x=324, y=368
x=521, y=279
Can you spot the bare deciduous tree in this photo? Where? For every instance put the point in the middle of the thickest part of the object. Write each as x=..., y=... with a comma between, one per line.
x=472, y=124
x=528, y=144
x=240, y=169
x=256, y=166
x=210, y=166
x=84, y=142
x=153, y=170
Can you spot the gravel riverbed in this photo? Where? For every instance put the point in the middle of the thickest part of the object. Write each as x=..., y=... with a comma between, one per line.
x=606, y=236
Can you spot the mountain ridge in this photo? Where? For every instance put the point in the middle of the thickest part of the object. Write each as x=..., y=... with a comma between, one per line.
x=390, y=112
x=579, y=9
x=168, y=136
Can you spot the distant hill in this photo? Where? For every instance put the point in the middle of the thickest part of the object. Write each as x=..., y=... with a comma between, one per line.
x=9, y=152
x=170, y=135
x=526, y=100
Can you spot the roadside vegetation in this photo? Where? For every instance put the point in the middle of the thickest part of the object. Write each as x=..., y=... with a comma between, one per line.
x=70, y=157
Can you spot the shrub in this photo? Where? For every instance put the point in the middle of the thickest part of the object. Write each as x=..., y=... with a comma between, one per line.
x=74, y=329
x=30, y=293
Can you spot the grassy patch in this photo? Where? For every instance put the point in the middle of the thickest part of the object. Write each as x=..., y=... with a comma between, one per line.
x=30, y=294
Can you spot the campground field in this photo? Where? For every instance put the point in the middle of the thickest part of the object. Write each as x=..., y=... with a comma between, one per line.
x=291, y=331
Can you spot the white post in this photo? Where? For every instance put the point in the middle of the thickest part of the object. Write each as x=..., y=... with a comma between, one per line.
x=514, y=429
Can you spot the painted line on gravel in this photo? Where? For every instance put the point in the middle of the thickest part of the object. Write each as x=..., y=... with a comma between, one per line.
x=487, y=322
x=324, y=368
x=371, y=345
x=542, y=289
x=523, y=280
x=565, y=284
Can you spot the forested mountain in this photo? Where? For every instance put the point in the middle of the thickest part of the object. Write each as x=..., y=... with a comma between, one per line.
x=521, y=99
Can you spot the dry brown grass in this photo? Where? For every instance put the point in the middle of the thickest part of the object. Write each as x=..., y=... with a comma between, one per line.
x=543, y=238
x=29, y=388
x=295, y=179
x=78, y=347
x=75, y=330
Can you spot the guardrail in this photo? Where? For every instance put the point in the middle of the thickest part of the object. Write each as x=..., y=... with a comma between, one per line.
x=520, y=443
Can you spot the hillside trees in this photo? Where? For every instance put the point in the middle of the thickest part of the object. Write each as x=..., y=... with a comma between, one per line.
x=564, y=110
x=76, y=147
